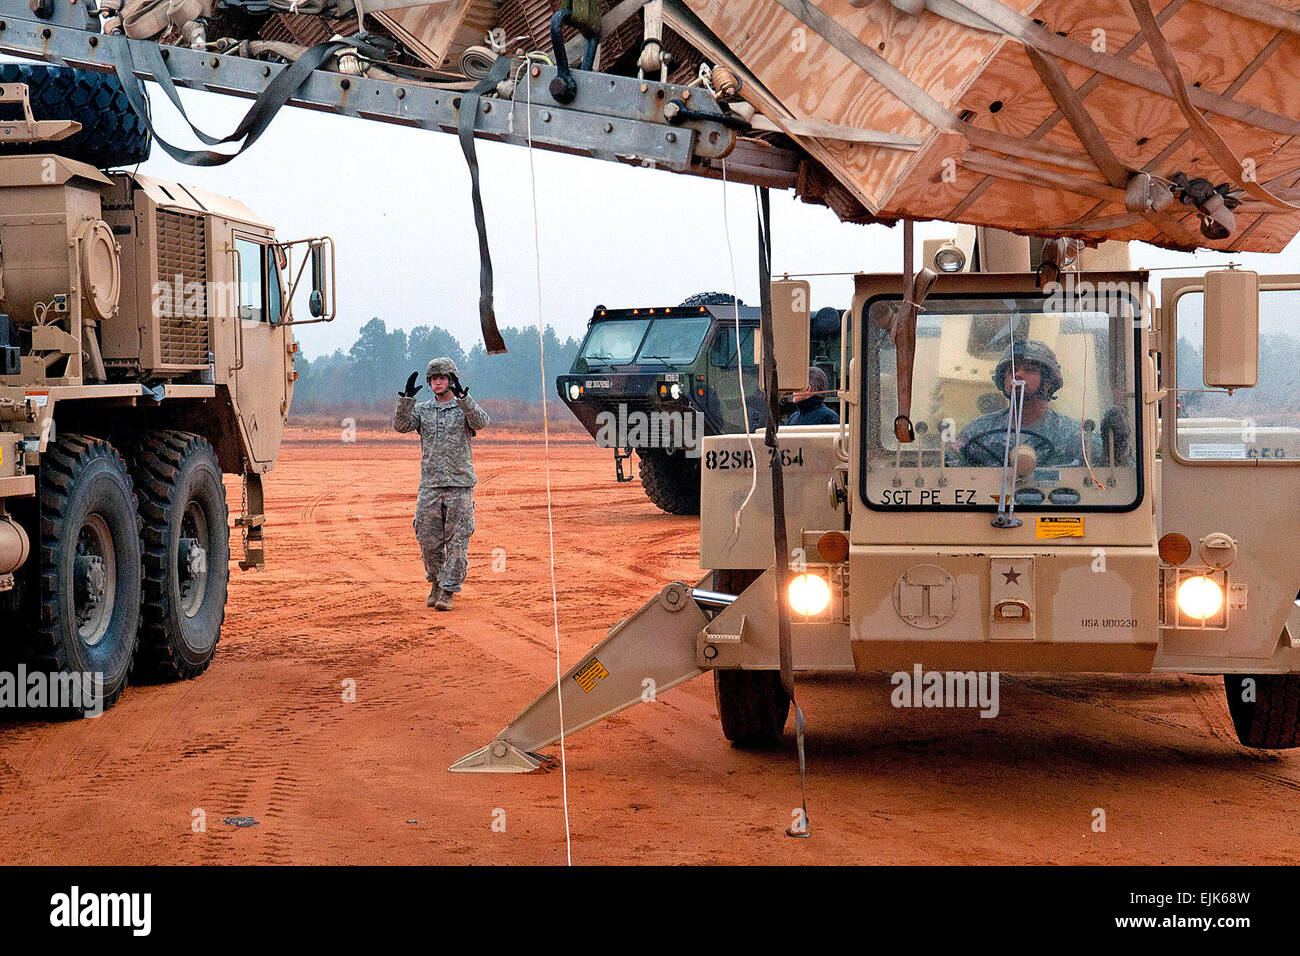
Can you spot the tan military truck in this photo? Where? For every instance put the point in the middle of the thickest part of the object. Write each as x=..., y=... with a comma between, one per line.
x=1075, y=512
x=145, y=352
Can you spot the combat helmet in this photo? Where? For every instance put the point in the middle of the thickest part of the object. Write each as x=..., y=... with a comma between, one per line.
x=1041, y=355
x=441, y=366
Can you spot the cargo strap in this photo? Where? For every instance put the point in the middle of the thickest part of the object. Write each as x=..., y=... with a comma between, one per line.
x=903, y=332
x=781, y=545
x=918, y=100
x=468, y=113
x=1141, y=193
x=277, y=93
x=1214, y=144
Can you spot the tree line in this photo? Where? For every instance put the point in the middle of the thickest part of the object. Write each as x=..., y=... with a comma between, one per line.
x=375, y=368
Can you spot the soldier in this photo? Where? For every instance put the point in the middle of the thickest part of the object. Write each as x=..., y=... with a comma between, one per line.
x=810, y=406
x=1057, y=439
x=444, y=509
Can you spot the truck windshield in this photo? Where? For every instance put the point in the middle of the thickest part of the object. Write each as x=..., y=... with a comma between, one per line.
x=674, y=341
x=1079, y=446
x=613, y=342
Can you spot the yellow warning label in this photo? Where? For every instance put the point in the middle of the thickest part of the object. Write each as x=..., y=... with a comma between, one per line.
x=589, y=673
x=1060, y=527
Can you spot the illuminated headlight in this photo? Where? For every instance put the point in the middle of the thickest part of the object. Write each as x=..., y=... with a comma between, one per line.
x=809, y=594
x=675, y=390
x=1200, y=598
x=950, y=259
x=573, y=391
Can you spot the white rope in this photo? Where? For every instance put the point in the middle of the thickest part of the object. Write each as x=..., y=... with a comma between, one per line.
x=546, y=434
x=740, y=365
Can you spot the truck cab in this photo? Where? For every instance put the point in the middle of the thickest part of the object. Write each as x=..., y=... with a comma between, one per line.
x=657, y=380
x=1074, y=475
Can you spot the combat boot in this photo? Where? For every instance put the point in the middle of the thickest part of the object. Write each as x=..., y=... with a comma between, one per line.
x=444, y=601
x=435, y=595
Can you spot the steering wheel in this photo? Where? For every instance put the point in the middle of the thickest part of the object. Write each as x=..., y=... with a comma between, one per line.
x=1042, y=445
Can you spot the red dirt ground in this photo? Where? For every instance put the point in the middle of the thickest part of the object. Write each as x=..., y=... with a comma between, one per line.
x=265, y=732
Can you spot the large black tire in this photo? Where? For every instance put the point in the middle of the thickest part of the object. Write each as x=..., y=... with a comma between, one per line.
x=671, y=481
x=184, y=518
x=1272, y=720
x=110, y=135
x=753, y=705
x=90, y=567
x=711, y=298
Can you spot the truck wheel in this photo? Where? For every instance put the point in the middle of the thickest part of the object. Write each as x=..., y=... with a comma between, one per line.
x=110, y=135
x=1272, y=720
x=752, y=704
x=671, y=481
x=90, y=570
x=186, y=554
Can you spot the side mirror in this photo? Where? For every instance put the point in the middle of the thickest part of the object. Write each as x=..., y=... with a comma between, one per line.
x=319, y=280
x=791, y=333
x=1231, y=346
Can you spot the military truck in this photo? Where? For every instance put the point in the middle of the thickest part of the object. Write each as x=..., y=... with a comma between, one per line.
x=657, y=380
x=1048, y=508
x=146, y=350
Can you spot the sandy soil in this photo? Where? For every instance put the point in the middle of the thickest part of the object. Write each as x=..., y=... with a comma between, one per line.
x=265, y=733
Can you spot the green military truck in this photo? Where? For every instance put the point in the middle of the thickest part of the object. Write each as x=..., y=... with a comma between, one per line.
x=656, y=381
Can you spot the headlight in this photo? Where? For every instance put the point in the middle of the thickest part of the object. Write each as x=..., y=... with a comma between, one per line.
x=809, y=594
x=573, y=391
x=1199, y=597
x=675, y=391
x=950, y=259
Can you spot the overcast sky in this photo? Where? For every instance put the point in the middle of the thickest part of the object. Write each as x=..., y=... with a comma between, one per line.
x=396, y=201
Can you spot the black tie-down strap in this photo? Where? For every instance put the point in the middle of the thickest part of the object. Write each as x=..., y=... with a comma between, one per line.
x=781, y=545
x=278, y=92
x=468, y=108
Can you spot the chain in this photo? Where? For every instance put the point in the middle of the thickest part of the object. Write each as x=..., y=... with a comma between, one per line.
x=243, y=511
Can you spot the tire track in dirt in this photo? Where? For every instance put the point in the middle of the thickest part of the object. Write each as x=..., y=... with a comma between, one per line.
x=266, y=733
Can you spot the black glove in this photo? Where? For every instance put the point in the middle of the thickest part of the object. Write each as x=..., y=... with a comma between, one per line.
x=453, y=382
x=411, y=387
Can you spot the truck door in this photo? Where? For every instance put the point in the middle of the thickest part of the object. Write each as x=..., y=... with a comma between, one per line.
x=261, y=357
x=1230, y=463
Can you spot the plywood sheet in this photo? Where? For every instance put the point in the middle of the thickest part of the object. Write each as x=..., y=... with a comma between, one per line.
x=989, y=82
x=438, y=34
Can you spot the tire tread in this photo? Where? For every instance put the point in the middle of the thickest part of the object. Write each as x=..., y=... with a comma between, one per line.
x=159, y=459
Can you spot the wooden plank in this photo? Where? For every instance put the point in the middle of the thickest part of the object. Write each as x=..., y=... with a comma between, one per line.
x=434, y=33
x=812, y=80
x=1140, y=127
x=988, y=81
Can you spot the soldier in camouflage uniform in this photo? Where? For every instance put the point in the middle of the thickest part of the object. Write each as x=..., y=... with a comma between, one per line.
x=1056, y=438
x=444, y=509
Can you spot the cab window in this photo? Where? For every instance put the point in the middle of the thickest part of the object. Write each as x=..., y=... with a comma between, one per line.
x=259, y=282
x=723, y=352
x=1079, y=439
x=1249, y=424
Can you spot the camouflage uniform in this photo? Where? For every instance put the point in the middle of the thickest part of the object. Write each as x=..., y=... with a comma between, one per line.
x=1064, y=432
x=444, y=508
x=1061, y=430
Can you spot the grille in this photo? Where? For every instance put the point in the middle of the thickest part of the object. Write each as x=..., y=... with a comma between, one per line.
x=183, y=252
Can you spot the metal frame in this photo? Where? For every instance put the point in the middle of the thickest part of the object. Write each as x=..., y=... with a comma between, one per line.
x=616, y=118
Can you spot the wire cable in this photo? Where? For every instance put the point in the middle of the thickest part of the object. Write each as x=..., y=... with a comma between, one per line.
x=740, y=367
x=546, y=437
